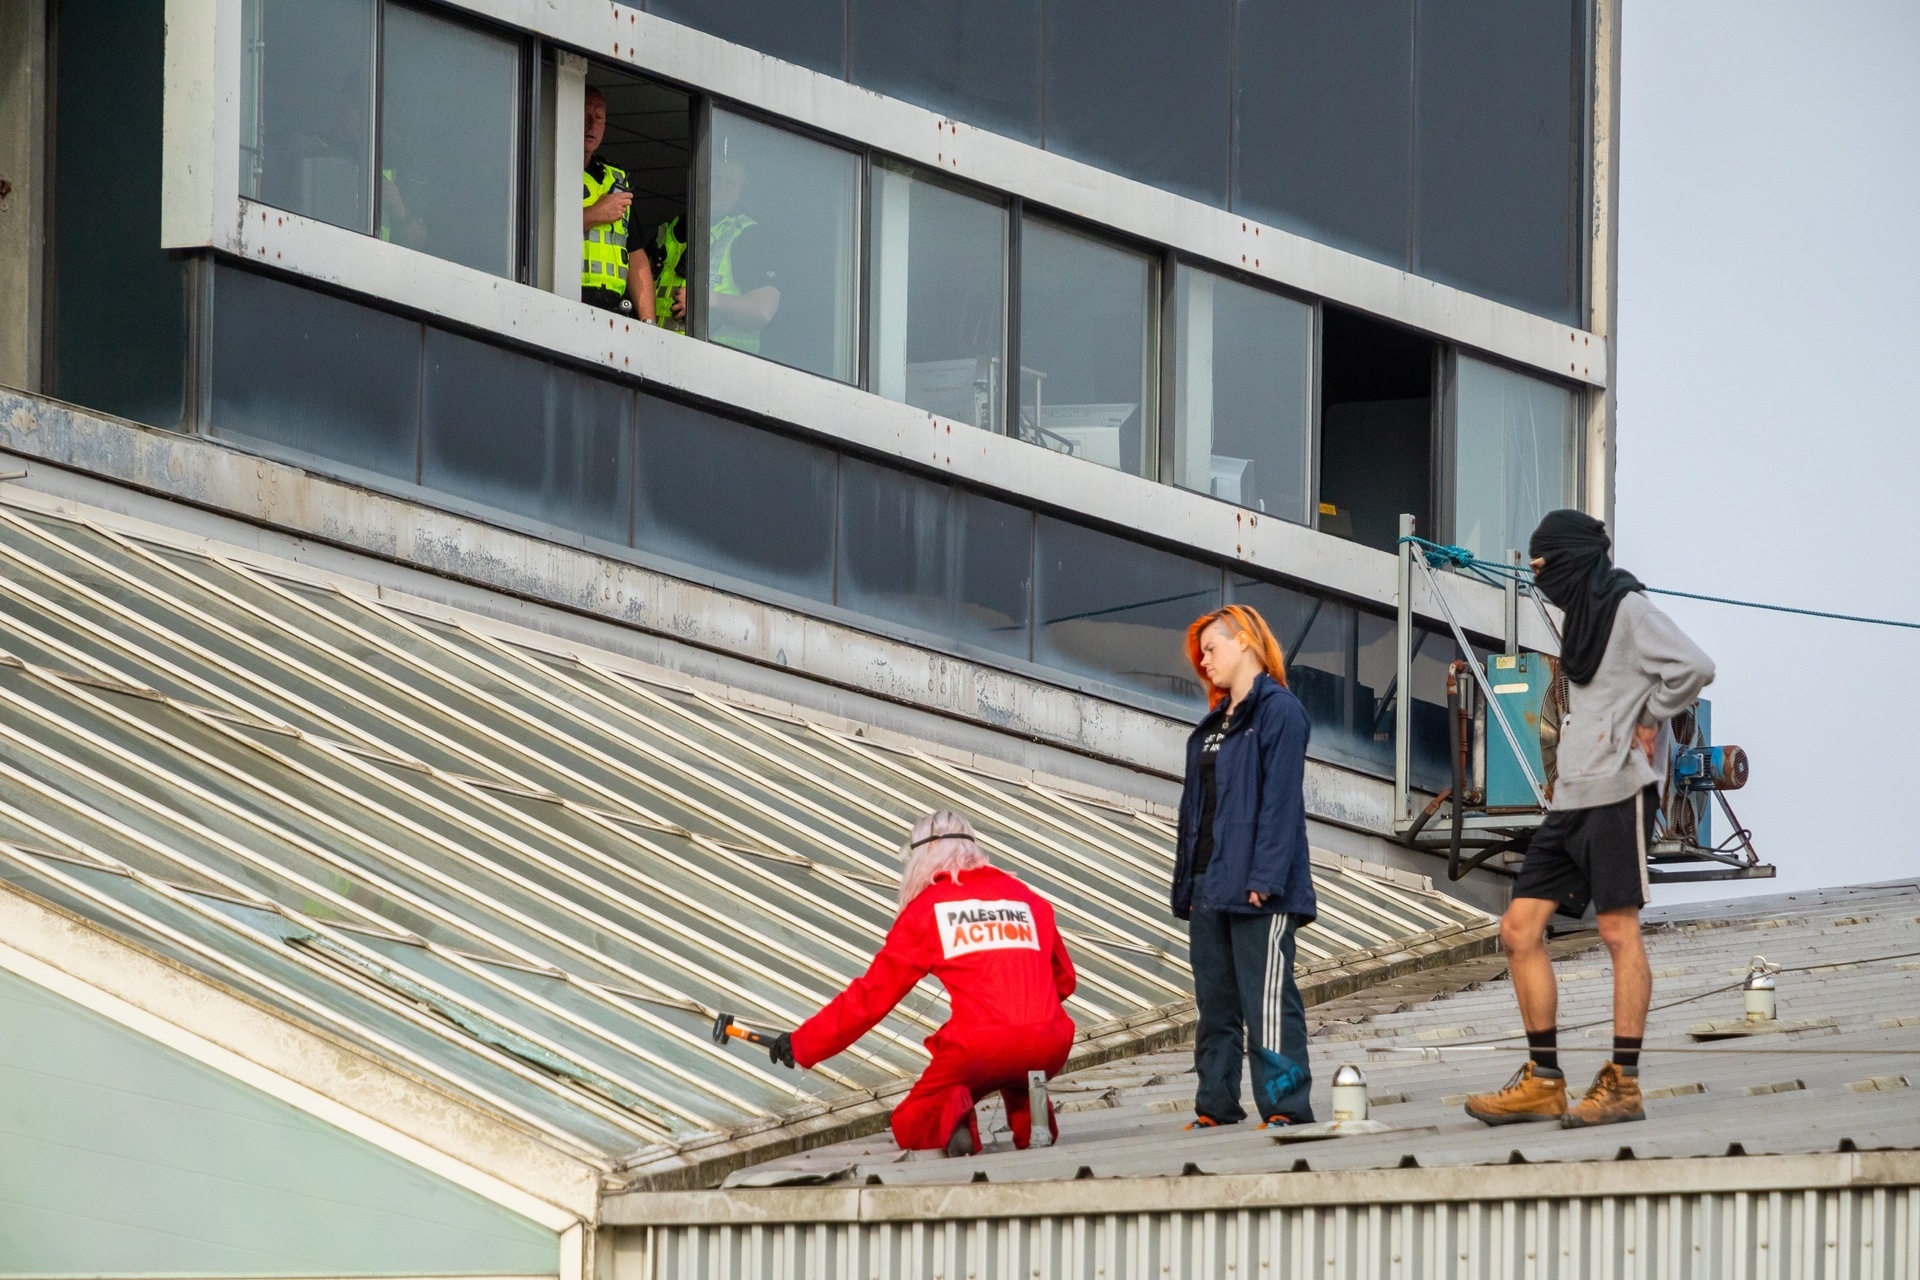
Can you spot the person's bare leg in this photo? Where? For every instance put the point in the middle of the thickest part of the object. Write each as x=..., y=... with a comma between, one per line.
x=1615, y=1095
x=1538, y=1091
x=1632, y=976
x=1523, y=937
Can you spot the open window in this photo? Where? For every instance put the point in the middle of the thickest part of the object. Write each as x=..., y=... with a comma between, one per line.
x=1376, y=429
x=646, y=150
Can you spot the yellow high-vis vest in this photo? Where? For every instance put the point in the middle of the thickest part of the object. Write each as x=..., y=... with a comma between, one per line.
x=720, y=280
x=603, y=249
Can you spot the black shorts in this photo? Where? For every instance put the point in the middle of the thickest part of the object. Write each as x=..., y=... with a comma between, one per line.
x=1600, y=855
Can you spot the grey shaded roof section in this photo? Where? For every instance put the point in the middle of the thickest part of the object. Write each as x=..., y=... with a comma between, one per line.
x=526, y=875
x=1851, y=958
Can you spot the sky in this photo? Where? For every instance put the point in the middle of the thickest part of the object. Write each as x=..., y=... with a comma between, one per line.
x=1769, y=426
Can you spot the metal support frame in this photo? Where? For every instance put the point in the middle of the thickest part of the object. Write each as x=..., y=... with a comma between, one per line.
x=1480, y=678
x=1403, y=681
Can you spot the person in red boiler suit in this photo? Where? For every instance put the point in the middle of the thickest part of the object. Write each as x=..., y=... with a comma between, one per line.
x=991, y=942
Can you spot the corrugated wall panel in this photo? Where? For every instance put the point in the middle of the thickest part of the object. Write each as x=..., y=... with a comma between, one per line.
x=1855, y=1234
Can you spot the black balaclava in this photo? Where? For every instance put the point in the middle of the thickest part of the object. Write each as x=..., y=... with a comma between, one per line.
x=1579, y=577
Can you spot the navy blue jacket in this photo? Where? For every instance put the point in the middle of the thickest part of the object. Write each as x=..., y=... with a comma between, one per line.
x=1259, y=812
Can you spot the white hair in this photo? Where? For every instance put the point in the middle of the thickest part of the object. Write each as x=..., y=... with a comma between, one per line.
x=942, y=843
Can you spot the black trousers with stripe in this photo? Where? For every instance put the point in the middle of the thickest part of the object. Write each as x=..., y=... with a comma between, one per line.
x=1249, y=1007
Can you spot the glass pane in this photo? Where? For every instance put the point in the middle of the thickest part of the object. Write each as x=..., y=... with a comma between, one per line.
x=939, y=299
x=934, y=557
x=120, y=313
x=1142, y=89
x=783, y=268
x=1500, y=118
x=1243, y=394
x=449, y=108
x=973, y=60
x=306, y=113
x=734, y=499
x=315, y=373
x=1117, y=611
x=1340, y=664
x=527, y=437
x=1086, y=347
x=804, y=31
x=213, y=1175
x=1325, y=106
x=1431, y=655
x=1513, y=447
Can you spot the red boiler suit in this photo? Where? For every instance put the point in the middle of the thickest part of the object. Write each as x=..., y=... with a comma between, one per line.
x=992, y=943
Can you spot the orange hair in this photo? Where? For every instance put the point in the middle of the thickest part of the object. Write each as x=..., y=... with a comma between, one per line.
x=1253, y=631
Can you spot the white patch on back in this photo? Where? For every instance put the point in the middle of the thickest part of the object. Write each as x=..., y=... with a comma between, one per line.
x=966, y=927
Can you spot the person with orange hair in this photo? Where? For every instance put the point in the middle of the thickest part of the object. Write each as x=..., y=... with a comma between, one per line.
x=1241, y=877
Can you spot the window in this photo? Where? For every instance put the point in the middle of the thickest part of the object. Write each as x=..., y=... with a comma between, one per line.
x=973, y=60
x=939, y=298
x=1118, y=611
x=446, y=128
x=1243, y=394
x=448, y=140
x=1086, y=347
x=783, y=264
x=306, y=118
x=1376, y=429
x=649, y=138
x=1341, y=665
x=525, y=436
x=315, y=373
x=734, y=499
x=1513, y=439
x=934, y=557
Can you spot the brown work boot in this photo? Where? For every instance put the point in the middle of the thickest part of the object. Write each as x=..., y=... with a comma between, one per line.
x=1534, y=1094
x=1614, y=1098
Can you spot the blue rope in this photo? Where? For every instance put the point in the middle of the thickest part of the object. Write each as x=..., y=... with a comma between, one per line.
x=1442, y=556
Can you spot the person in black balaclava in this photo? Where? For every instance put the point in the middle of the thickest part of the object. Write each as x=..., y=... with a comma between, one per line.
x=1631, y=670
x=1573, y=567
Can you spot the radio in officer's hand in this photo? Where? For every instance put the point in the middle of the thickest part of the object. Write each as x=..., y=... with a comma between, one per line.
x=620, y=183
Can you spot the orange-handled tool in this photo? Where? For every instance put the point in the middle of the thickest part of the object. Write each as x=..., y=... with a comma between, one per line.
x=725, y=1026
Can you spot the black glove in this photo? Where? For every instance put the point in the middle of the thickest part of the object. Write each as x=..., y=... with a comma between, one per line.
x=780, y=1049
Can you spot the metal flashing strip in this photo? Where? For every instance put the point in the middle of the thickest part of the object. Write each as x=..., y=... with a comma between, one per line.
x=1231, y=1192
x=528, y=877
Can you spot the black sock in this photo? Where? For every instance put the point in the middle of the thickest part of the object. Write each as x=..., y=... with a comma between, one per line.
x=1626, y=1051
x=1544, y=1048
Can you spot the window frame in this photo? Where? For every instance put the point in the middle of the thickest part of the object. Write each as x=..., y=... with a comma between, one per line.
x=1447, y=434
x=524, y=184
x=700, y=216
x=1154, y=301
x=1009, y=283
x=1170, y=365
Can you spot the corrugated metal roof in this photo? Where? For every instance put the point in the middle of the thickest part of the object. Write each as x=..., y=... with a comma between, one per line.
x=1845, y=1080
x=527, y=875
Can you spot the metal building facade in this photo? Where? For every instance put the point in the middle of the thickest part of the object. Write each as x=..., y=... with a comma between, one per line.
x=1829, y=1217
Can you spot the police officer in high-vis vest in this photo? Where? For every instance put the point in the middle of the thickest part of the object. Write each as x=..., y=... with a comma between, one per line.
x=735, y=316
x=608, y=277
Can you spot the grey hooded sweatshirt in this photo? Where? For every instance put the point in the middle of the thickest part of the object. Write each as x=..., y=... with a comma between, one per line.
x=1650, y=673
